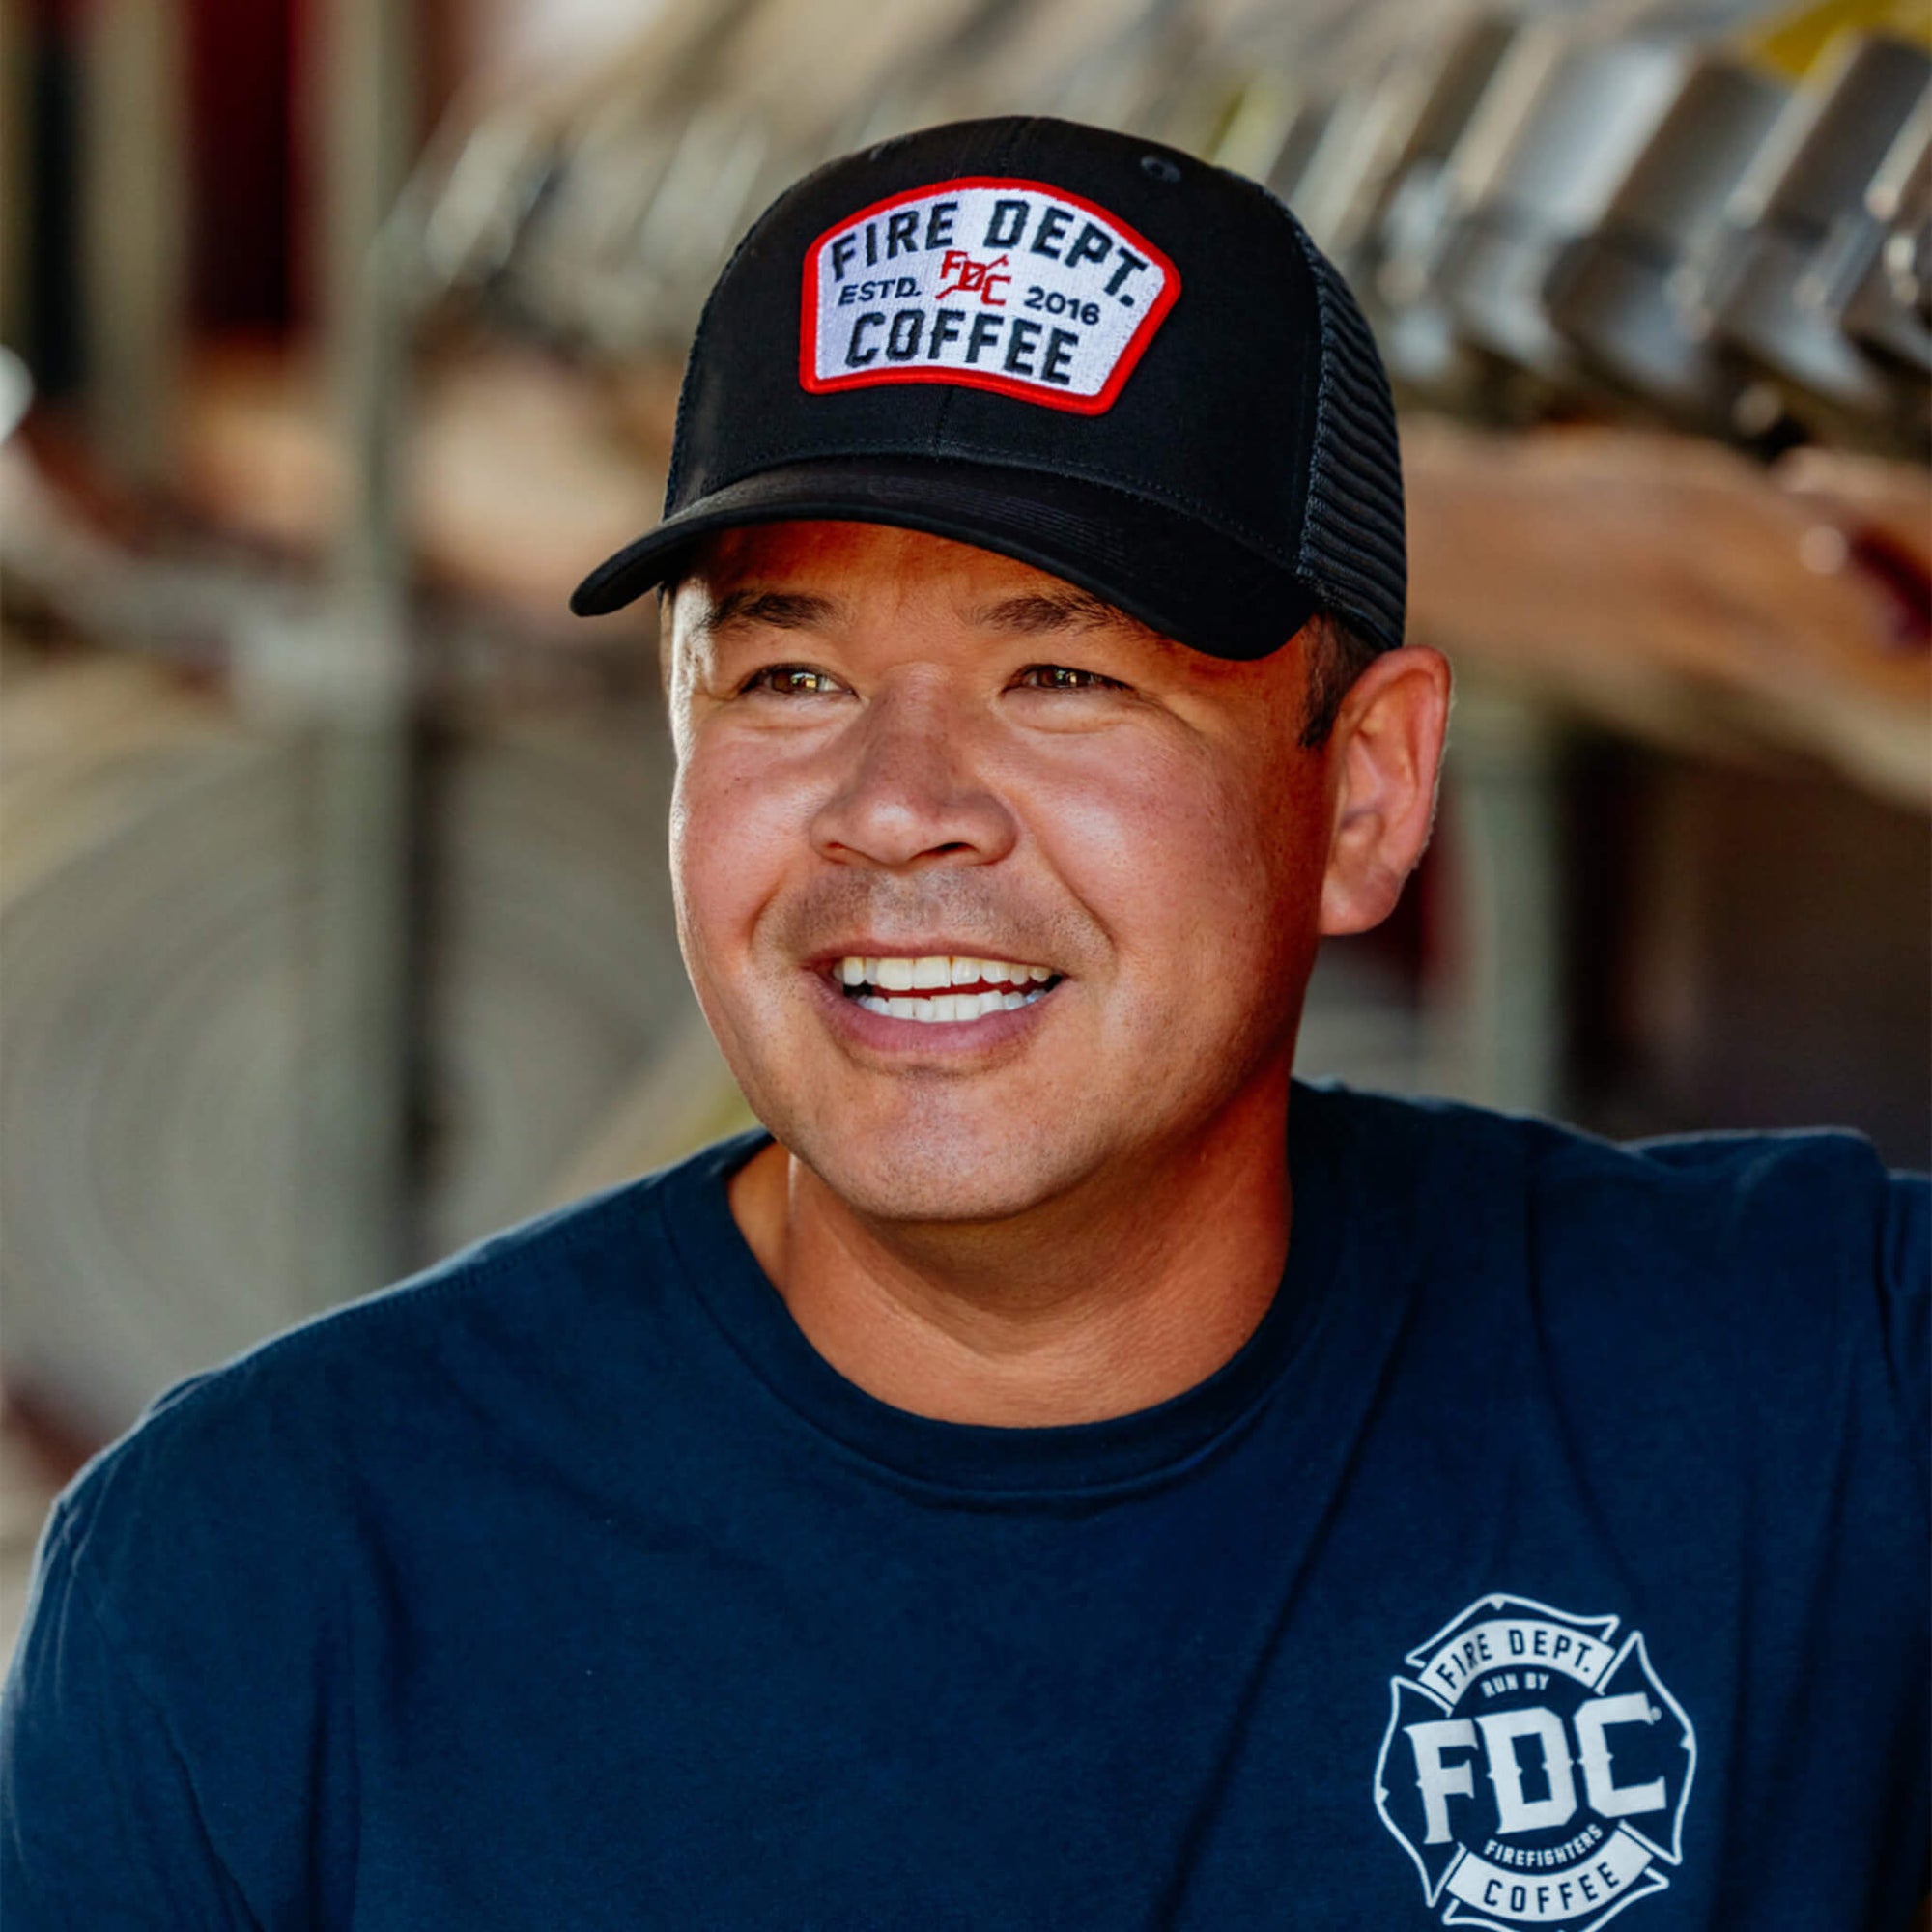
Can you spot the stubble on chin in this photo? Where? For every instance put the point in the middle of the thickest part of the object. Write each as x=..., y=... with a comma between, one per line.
x=939, y=1180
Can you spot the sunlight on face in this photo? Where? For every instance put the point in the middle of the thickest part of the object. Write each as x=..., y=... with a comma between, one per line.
x=896, y=749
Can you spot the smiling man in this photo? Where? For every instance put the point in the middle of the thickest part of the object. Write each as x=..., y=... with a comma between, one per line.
x=1002, y=904
x=1064, y=1473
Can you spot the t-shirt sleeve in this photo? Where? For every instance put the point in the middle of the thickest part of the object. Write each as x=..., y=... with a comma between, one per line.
x=1904, y=1287
x=100, y=1824
x=1799, y=1198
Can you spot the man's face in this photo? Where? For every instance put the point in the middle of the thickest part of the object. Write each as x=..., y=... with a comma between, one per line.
x=894, y=749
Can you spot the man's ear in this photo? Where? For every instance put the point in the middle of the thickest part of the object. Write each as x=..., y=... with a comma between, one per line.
x=1385, y=755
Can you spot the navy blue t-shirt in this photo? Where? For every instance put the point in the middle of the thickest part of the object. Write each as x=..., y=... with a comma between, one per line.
x=1555, y=1550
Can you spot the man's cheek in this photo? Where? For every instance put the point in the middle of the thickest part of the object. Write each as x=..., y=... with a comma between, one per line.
x=720, y=816
x=1163, y=856
x=733, y=873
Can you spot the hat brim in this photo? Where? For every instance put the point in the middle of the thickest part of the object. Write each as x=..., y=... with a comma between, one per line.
x=1168, y=570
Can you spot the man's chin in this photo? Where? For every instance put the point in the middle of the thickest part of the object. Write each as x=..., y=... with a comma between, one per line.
x=929, y=1177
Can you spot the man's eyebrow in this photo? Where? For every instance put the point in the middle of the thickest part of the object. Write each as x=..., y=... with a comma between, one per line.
x=1042, y=610
x=780, y=609
x=1070, y=609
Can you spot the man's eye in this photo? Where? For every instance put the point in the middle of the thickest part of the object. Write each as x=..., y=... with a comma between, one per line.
x=791, y=681
x=1065, y=677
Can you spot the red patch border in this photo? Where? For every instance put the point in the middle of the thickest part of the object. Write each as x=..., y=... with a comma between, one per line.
x=1005, y=385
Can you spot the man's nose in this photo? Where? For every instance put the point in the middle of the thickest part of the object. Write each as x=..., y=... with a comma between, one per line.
x=914, y=791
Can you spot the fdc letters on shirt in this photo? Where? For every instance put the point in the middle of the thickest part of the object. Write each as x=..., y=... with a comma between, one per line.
x=1536, y=1772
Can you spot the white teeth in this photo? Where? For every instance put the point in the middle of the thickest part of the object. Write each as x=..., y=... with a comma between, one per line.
x=948, y=1008
x=882, y=977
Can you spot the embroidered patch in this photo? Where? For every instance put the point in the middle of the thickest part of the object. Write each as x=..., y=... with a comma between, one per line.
x=1004, y=285
x=1535, y=1770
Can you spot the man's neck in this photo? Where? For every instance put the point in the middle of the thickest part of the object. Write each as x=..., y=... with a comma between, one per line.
x=1081, y=1309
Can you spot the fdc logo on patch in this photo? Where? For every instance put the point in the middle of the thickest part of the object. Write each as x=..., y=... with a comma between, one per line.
x=1006, y=285
x=1535, y=1771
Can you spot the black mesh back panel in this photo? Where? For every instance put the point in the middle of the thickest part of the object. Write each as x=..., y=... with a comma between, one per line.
x=1353, y=553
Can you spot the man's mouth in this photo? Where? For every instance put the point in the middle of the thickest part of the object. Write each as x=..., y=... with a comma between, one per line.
x=942, y=990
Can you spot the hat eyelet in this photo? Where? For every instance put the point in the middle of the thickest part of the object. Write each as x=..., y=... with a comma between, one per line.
x=1159, y=167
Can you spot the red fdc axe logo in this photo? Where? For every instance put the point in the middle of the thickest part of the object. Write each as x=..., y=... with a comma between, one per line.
x=975, y=279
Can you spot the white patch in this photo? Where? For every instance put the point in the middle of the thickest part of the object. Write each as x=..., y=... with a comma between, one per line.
x=1004, y=285
x=1535, y=1770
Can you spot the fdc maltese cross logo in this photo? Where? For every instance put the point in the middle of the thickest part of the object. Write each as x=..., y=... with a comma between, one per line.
x=1535, y=1769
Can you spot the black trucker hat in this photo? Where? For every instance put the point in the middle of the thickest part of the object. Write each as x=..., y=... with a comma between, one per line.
x=1100, y=356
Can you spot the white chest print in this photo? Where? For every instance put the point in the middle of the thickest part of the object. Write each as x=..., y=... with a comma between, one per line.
x=990, y=284
x=1535, y=1770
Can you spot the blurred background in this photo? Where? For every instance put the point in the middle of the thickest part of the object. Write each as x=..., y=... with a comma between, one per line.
x=341, y=336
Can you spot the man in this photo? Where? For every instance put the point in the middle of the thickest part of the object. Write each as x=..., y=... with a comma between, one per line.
x=1066, y=1475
